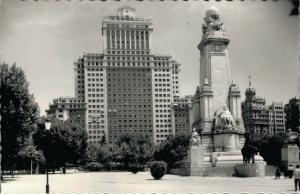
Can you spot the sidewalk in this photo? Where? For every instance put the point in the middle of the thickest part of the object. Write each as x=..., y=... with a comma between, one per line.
x=126, y=182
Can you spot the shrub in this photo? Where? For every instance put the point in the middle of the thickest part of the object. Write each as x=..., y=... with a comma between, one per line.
x=109, y=166
x=158, y=169
x=135, y=168
x=93, y=166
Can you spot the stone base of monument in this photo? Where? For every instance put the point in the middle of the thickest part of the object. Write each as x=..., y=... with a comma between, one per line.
x=290, y=155
x=212, y=164
x=251, y=169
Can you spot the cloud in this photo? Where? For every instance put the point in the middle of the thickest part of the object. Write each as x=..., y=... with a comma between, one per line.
x=43, y=20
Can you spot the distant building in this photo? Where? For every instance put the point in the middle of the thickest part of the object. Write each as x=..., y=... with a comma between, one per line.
x=260, y=118
x=292, y=111
x=255, y=113
x=126, y=88
x=277, y=118
x=68, y=108
x=181, y=114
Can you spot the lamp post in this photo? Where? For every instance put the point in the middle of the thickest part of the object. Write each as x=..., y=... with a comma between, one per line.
x=47, y=127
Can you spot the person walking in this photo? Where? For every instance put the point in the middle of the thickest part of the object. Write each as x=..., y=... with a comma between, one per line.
x=277, y=174
x=297, y=177
x=290, y=171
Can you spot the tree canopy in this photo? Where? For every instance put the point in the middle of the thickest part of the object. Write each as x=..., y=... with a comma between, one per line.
x=19, y=112
x=174, y=149
x=63, y=143
x=133, y=148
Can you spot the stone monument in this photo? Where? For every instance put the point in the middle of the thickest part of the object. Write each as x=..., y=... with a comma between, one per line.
x=290, y=150
x=216, y=110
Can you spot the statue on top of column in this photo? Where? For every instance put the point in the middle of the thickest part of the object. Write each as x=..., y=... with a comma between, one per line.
x=212, y=21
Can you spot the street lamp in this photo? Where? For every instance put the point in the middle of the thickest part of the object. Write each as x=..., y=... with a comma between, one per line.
x=47, y=127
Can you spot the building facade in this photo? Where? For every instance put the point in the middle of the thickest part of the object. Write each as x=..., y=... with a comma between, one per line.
x=292, y=111
x=68, y=108
x=260, y=118
x=255, y=113
x=126, y=88
x=277, y=117
x=181, y=114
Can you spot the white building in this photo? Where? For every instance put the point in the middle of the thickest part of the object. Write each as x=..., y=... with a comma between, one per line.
x=126, y=87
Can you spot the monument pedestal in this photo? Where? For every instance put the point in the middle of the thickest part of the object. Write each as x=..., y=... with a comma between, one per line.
x=228, y=140
x=290, y=155
x=201, y=163
x=195, y=161
x=251, y=169
x=194, y=165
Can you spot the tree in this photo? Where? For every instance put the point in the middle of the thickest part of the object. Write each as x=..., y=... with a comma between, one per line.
x=106, y=153
x=269, y=146
x=174, y=149
x=63, y=143
x=29, y=152
x=19, y=113
x=92, y=152
x=134, y=148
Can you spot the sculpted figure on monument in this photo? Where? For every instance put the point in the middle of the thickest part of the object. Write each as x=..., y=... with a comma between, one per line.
x=212, y=21
x=223, y=119
x=195, y=140
x=292, y=138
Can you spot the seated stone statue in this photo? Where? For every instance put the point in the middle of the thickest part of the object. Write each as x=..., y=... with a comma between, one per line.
x=223, y=119
x=195, y=140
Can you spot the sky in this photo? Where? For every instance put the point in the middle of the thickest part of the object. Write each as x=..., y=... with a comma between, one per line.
x=46, y=37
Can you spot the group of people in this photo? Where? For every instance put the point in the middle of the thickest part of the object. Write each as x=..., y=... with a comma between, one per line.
x=291, y=172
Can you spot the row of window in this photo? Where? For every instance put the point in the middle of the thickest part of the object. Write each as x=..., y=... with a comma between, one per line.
x=130, y=80
x=128, y=52
x=128, y=58
x=129, y=126
x=95, y=90
x=163, y=120
x=95, y=95
x=162, y=100
x=162, y=126
x=128, y=100
x=129, y=90
x=95, y=74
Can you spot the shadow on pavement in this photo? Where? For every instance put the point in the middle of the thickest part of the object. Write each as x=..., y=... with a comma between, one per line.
x=8, y=179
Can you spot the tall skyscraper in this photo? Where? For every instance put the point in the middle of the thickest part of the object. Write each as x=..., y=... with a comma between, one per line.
x=126, y=88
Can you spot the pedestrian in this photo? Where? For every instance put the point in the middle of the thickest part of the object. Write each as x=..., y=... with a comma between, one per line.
x=290, y=171
x=61, y=170
x=277, y=174
x=297, y=177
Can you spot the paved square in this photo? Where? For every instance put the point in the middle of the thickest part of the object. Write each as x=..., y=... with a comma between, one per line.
x=116, y=182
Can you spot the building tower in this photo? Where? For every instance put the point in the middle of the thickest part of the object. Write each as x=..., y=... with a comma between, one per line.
x=126, y=88
x=255, y=112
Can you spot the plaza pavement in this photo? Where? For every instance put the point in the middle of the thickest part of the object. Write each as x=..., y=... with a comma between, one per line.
x=126, y=182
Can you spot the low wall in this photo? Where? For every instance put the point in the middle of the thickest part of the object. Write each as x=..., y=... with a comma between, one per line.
x=208, y=171
x=251, y=169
